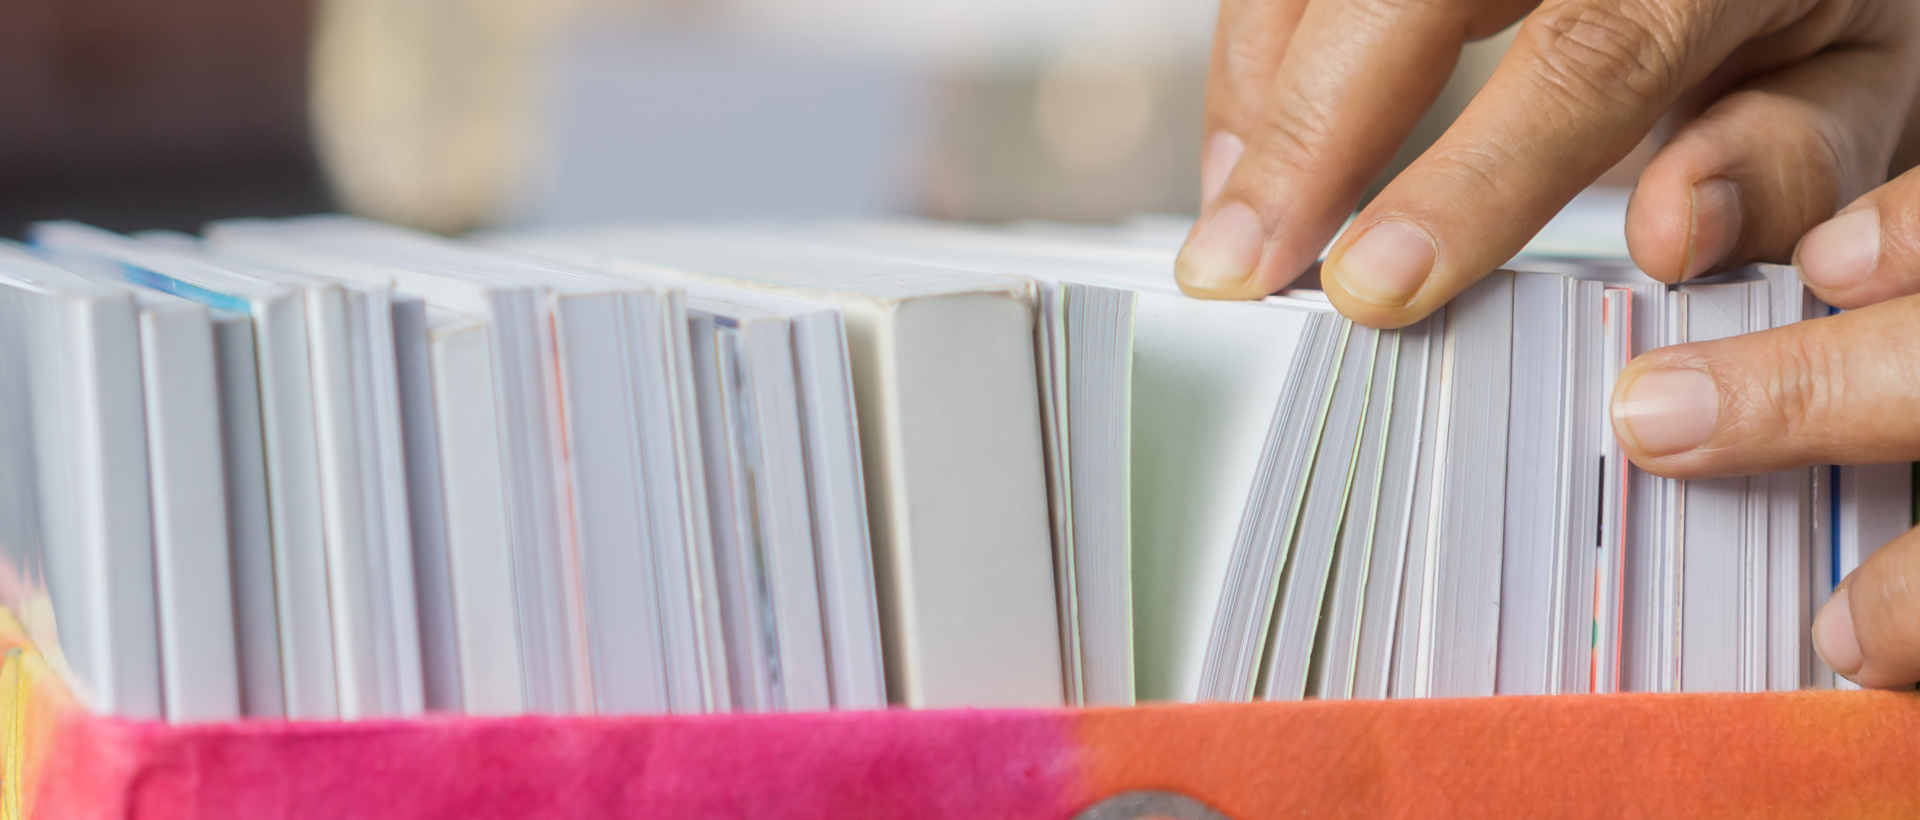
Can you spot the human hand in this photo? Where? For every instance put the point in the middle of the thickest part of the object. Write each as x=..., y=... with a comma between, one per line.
x=1843, y=389
x=1779, y=110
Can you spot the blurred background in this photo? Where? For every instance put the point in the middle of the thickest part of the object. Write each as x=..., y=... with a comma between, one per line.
x=456, y=115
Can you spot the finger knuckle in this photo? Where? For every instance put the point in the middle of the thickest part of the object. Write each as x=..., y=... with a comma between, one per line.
x=1246, y=54
x=1608, y=54
x=1806, y=386
x=1297, y=137
x=1474, y=168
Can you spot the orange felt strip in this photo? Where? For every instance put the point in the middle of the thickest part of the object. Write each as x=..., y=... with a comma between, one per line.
x=1802, y=754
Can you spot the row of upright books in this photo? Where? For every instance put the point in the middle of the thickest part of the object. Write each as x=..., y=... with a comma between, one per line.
x=324, y=468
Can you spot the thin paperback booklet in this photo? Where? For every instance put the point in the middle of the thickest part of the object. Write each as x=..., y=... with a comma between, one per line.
x=335, y=469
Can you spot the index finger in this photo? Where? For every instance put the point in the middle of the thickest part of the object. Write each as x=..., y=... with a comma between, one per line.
x=1582, y=83
x=1250, y=39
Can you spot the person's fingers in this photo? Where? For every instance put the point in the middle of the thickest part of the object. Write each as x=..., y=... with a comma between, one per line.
x=1355, y=80
x=1868, y=631
x=1217, y=159
x=1773, y=158
x=1582, y=83
x=1250, y=38
x=1868, y=253
x=1837, y=390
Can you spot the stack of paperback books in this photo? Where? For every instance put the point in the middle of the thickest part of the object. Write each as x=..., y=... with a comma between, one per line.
x=325, y=468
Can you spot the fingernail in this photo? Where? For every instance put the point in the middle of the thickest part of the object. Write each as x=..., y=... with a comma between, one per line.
x=1833, y=636
x=1224, y=251
x=1840, y=252
x=1716, y=225
x=1386, y=265
x=1223, y=152
x=1667, y=411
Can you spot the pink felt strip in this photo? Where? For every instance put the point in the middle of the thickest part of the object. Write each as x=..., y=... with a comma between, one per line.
x=958, y=764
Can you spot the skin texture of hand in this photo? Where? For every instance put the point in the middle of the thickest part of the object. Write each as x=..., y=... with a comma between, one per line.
x=1773, y=113
x=1770, y=115
x=1839, y=390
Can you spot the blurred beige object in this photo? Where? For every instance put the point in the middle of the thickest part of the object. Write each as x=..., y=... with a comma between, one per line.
x=1083, y=138
x=1092, y=113
x=424, y=111
x=458, y=114
x=1100, y=135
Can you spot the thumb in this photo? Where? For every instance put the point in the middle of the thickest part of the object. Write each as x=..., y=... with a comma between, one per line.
x=1838, y=390
x=1869, y=631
